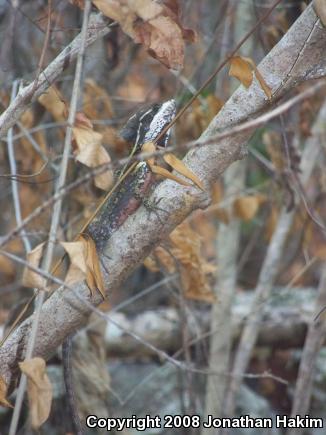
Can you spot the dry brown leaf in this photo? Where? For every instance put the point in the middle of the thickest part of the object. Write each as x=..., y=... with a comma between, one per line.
x=180, y=167
x=263, y=84
x=243, y=68
x=156, y=26
x=240, y=69
x=185, y=248
x=167, y=174
x=54, y=103
x=31, y=278
x=84, y=264
x=91, y=153
x=320, y=252
x=96, y=102
x=77, y=255
x=3, y=394
x=94, y=277
x=320, y=8
x=259, y=77
x=246, y=207
x=39, y=390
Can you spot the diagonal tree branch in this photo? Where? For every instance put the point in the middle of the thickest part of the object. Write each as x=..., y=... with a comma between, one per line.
x=298, y=57
x=98, y=27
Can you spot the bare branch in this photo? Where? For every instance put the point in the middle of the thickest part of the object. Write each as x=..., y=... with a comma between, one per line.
x=97, y=28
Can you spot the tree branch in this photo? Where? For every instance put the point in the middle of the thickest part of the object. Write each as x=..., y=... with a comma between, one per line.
x=97, y=28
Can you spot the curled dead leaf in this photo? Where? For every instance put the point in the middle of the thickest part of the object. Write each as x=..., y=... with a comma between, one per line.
x=39, y=390
x=180, y=167
x=243, y=69
x=155, y=25
x=94, y=276
x=54, y=103
x=185, y=248
x=167, y=174
x=31, y=278
x=3, y=394
x=91, y=152
x=84, y=264
x=77, y=268
x=246, y=207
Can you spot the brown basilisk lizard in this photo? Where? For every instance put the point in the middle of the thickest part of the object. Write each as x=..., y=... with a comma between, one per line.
x=145, y=126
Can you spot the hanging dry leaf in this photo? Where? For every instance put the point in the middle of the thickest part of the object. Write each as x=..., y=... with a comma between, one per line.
x=246, y=207
x=263, y=84
x=90, y=151
x=243, y=68
x=320, y=8
x=3, y=393
x=94, y=277
x=77, y=256
x=180, y=167
x=84, y=264
x=54, y=103
x=167, y=174
x=39, y=390
x=185, y=248
x=96, y=102
x=156, y=26
x=31, y=278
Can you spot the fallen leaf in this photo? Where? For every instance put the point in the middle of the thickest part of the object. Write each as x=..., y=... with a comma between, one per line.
x=31, y=278
x=180, y=167
x=39, y=390
x=3, y=393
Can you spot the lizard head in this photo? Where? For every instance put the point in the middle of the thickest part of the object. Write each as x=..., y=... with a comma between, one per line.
x=147, y=124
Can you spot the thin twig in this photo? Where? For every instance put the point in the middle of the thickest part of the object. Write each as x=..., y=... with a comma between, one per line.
x=46, y=264
x=98, y=28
